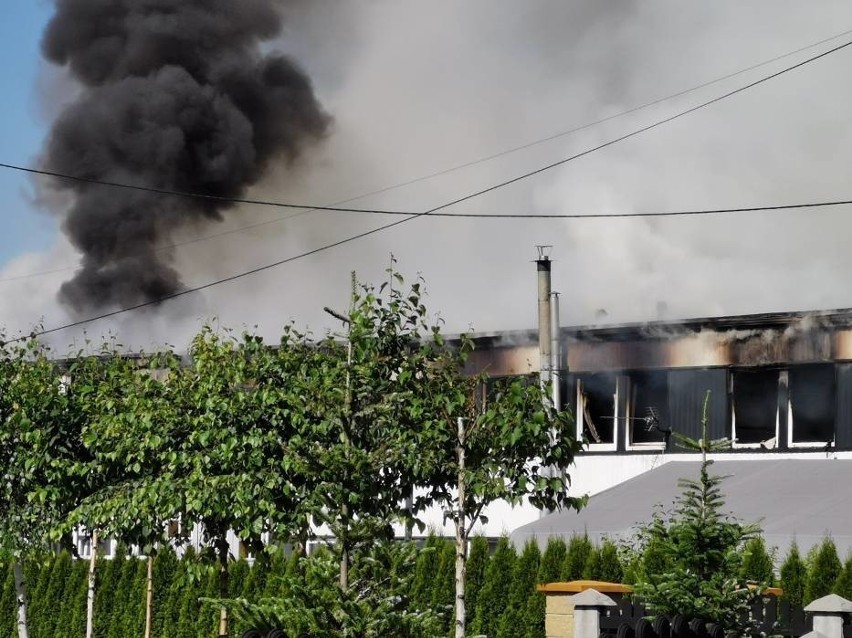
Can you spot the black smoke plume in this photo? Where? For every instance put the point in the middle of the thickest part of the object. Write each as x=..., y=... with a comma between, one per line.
x=177, y=95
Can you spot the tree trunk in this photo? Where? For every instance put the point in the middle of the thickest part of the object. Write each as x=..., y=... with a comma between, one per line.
x=149, y=597
x=21, y=596
x=223, y=584
x=461, y=536
x=90, y=594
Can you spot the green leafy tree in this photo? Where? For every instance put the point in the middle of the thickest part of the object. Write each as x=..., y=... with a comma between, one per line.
x=699, y=550
x=793, y=576
x=576, y=557
x=494, y=597
x=822, y=571
x=485, y=442
x=758, y=564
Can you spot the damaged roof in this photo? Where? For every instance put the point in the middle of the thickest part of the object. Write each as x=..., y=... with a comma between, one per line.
x=792, y=499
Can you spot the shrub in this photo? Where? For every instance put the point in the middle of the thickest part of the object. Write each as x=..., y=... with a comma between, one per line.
x=514, y=621
x=476, y=564
x=794, y=576
x=757, y=562
x=843, y=584
x=822, y=571
x=579, y=549
x=495, y=590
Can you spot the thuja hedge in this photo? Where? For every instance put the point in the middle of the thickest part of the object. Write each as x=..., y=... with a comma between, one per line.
x=501, y=586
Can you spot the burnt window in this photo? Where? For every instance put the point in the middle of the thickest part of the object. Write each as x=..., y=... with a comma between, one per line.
x=755, y=401
x=596, y=407
x=813, y=391
x=649, y=406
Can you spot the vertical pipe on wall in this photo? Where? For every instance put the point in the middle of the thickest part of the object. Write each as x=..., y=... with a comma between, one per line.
x=544, y=319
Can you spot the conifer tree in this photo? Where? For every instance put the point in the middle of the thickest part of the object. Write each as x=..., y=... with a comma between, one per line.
x=609, y=567
x=425, y=572
x=477, y=563
x=514, y=620
x=579, y=548
x=592, y=568
x=843, y=584
x=48, y=624
x=757, y=563
x=548, y=572
x=107, y=576
x=8, y=604
x=495, y=590
x=75, y=615
x=443, y=585
x=699, y=547
x=166, y=569
x=823, y=571
x=794, y=576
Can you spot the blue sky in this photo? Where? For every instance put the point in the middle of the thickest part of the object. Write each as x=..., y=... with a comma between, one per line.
x=21, y=127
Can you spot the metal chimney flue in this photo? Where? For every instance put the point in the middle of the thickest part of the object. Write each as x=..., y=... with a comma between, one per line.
x=544, y=314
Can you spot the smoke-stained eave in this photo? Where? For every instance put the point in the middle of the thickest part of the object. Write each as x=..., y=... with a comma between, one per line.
x=768, y=339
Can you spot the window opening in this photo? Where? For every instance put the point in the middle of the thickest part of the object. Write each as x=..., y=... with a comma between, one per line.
x=596, y=407
x=755, y=402
x=649, y=407
x=813, y=405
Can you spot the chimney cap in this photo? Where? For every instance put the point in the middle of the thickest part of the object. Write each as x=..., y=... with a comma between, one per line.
x=544, y=251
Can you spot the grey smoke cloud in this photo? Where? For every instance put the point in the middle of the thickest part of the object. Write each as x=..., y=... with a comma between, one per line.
x=416, y=87
x=177, y=95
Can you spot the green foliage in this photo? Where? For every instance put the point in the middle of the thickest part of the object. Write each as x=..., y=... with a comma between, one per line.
x=514, y=620
x=477, y=562
x=426, y=571
x=548, y=572
x=495, y=590
x=693, y=556
x=843, y=584
x=443, y=586
x=592, y=568
x=370, y=608
x=579, y=550
x=794, y=576
x=758, y=564
x=823, y=571
x=610, y=569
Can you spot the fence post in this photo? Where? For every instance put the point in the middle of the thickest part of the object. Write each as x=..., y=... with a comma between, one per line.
x=588, y=606
x=828, y=613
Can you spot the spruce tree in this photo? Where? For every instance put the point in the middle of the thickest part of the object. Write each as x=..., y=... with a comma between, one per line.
x=794, y=576
x=477, y=563
x=757, y=563
x=843, y=584
x=822, y=572
x=514, y=620
x=579, y=548
x=699, y=549
x=495, y=590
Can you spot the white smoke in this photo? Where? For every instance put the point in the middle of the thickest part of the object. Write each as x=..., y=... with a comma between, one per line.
x=418, y=87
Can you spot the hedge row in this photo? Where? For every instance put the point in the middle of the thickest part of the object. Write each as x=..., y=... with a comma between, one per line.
x=501, y=594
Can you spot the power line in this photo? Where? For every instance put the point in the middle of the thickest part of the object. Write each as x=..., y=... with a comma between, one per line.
x=454, y=202
x=677, y=213
x=337, y=208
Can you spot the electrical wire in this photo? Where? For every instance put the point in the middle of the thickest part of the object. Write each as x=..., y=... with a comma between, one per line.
x=413, y=216
x=337, y=208
x=676, y=213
